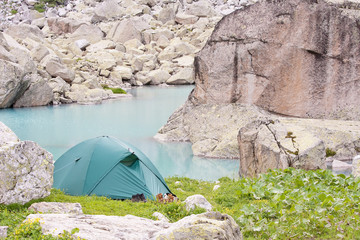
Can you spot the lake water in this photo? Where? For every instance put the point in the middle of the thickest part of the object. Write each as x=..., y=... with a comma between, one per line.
x=135, y=120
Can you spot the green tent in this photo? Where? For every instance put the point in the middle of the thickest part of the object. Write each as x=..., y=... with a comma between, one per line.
x=106, y=166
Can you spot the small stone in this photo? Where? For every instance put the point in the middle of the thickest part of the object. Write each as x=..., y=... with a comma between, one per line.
x=199, y=201
x=160, y=217
x=3, y=232
x=178, y=183
x=82, y=44
x=216, y=187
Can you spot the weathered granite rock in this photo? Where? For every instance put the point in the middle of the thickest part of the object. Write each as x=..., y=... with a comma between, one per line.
x=124, y=31
x=39, y=52
x=294, y=57
x=356, y=166
x=197, y=201
x=25, y=171
x=7, y=135
x=3, y=232
x=38, y=94
x=56, y=207
x=13, y=83
x=160, y=216
x=91, y=33
x=184, y=76
x=63, y=25
x=23, y=31
x=340, y=165
x=107, y=10
x=56, y=69
x=267, y=144
x=210, y=225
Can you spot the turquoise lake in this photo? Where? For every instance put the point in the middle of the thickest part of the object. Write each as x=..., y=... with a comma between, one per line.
x=135, y=120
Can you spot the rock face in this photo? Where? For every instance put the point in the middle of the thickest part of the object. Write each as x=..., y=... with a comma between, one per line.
x=25, y=169
x=266, y=144
x=13, y=83
x=211, y=225
x=293, y=57
x=38, y=94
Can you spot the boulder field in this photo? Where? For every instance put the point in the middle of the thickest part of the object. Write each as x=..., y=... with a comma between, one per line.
x=276, y=85
x=67, y=54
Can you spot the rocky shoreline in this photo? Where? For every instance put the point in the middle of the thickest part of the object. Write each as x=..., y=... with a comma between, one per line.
x=68, y=53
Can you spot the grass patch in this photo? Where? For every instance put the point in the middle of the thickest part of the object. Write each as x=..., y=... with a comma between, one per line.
x=43, y=4
x=114, y=90
x=281, y=204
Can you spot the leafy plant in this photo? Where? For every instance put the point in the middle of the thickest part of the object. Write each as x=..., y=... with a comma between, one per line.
x=281, y=204
x=13, y=11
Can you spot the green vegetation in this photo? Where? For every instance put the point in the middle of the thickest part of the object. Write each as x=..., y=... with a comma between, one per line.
x=42, y=4
x=281, y=204
x=114, y=90
x=330, y=152
x=13, y=11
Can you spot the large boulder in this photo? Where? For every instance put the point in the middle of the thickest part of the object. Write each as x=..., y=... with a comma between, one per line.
x=293, y=57
x=26, y=169
x=63, y=25
x=107, y=10
x=13, y=83
x=91, y=33
x=210, y=225
x=23, y=31
x=57, y=69
x=124, y=31
x=38, y=94
x=267, y=144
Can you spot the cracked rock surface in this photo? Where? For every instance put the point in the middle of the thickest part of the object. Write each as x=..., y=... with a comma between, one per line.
x=25, y=169
x=210, y=225
x=294, y=57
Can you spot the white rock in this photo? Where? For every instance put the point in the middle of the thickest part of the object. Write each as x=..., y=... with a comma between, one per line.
x=339, y=165
x=216, y=187
x=160, y=217
x=184, y=76
x=185, y=61
x=56, y=207
x=7, y=136
x=356, y=166
x=199, y=201
x=125, y=72
x=25, y=171
x=91, y=33
x=82, y=44
x=178, y=183
x=3, y=232
x=210, y=225
x=158, y=76
x=183, y=18
x=56, y=69
x=101, y=45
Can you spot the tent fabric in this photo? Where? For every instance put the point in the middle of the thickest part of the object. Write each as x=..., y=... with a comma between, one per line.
x=106, y=166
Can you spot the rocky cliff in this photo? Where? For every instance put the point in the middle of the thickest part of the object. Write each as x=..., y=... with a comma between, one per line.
x=290, y=57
